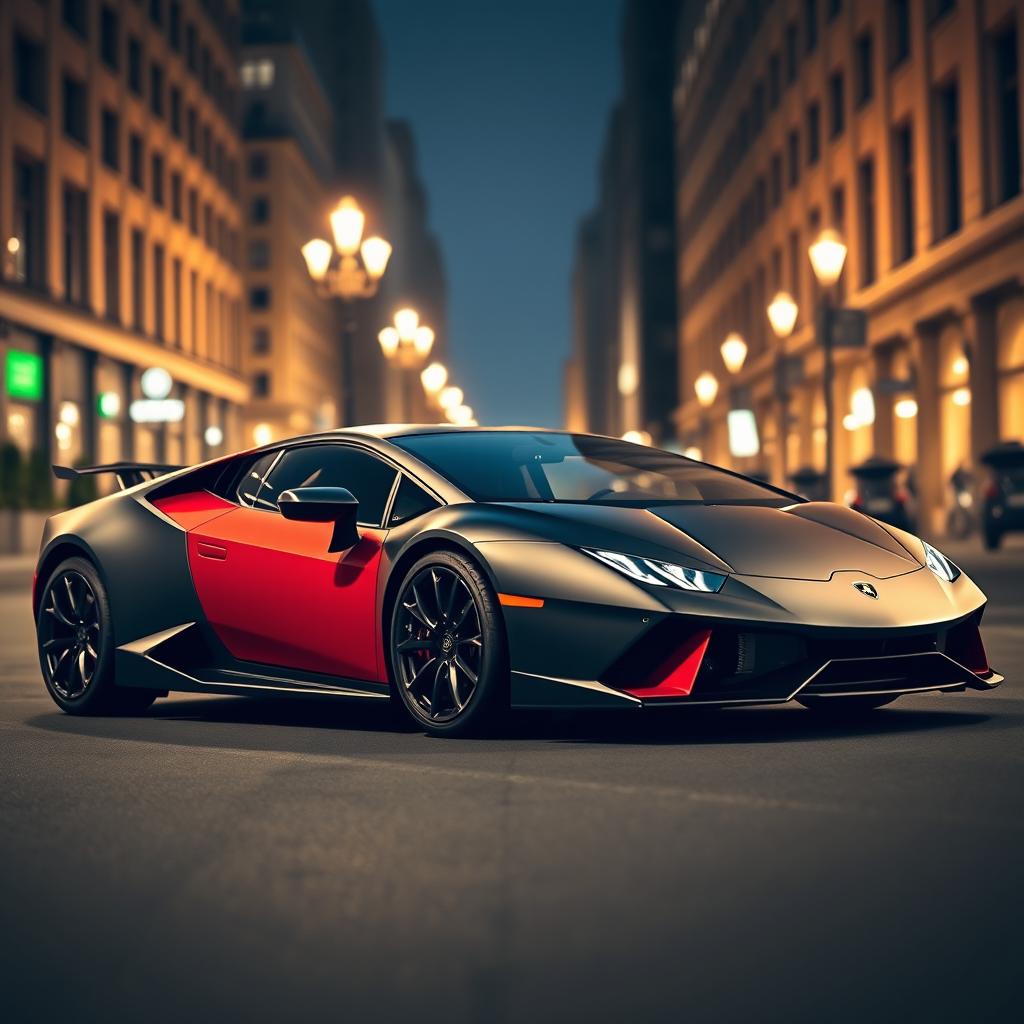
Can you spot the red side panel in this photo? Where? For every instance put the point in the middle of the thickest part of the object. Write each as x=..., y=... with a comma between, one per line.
x=193, y=509
x=274, y=594
x=675, y=676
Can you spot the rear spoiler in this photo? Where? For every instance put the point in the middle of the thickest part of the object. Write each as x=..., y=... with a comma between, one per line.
x=128, y=474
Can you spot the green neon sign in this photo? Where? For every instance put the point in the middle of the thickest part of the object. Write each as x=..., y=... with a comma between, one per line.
x=23, y=373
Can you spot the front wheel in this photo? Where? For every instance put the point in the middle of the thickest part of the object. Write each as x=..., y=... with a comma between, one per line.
x=839, y=706
x=76, y=646
x=447, y=647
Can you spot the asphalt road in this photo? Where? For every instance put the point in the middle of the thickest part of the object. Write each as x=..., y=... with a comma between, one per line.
x=285, y=860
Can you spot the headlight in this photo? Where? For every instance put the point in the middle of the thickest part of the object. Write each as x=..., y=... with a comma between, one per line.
x=939, y=563
x=659, y=574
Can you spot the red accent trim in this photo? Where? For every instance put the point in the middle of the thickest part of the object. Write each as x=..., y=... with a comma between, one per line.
x=193, y=509
x=675, y=676
x=964, y=644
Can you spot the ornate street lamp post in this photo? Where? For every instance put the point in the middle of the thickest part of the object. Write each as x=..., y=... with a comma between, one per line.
x=828, y=254
x=348, y=270
x=782, y=314
x=406, y=345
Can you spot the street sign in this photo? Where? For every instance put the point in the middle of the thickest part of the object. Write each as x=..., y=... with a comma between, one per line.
x=845, y=328
x=23, y=373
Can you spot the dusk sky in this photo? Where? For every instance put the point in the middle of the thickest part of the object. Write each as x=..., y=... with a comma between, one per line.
x=509, y=102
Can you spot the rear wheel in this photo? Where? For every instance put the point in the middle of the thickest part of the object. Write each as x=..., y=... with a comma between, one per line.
x=75, y=638
x=447, y=647
x=839, y=706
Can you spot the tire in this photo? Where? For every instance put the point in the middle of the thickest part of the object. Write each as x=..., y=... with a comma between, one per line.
x=445, y=629
x=76, y=645
x=840, y=706
x=993, y=538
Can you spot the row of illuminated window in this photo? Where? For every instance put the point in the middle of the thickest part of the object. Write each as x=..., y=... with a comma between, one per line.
x=945, y=170
x=782, y=71
x=156, y=285
x=30, y=77
x=183, y=39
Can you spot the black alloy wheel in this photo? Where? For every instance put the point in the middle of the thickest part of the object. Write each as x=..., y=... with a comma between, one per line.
x=447, y=645
x=75, y=644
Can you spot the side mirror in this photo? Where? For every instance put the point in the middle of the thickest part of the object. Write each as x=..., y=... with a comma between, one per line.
x=324, y=505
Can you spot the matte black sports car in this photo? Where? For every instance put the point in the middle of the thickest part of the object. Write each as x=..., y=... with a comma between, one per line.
x=464, y=571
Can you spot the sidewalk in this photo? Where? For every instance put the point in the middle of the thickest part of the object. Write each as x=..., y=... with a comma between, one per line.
x=16, y=572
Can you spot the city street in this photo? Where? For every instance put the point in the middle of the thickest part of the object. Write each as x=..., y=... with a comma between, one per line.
x=313, y=860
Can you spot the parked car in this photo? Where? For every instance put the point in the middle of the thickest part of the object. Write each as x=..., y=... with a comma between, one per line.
x=878, y=493
x=1003, y=506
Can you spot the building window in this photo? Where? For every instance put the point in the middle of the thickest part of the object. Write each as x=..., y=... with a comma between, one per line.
x=159, y=310
x=207, y=147
x=157, y=175
x=191, y=47
x=260, y=341
x=176, y=111
x=259, y=254
x=836, y=105
x=30, y=221
x=76, y=17
x=138, y=280
x=776, y=180
x=176, y=196
x=258, y=166
x=176, y=300
x=899, y=32
x=174, y=26
x=259, y=298
x=257, y=74
x=810, y=25
x=938, y=9
x=156, y=90
x=793, y=158
x=135, y=171
x=193, y=211
x=192, y=131
x=208, y=224
x=193, y=310
x=795, y=264
x=774, y=81
x=112, y=265
x=865, y=59
x=866, y=186
x=135, y=66
x=833, y=9
x=948, y=199
x=792, y=59
x=76, y=246
x=903, y=193
x=76, y=110
x=813, y=134
x=110, y=38
x=156, y=12
x=30, y=72
x=1005, y=108
x=260, y=385
x=259, y=210
x=110, y=139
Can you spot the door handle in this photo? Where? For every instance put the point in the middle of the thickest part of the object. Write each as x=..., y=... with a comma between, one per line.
x=214, y=551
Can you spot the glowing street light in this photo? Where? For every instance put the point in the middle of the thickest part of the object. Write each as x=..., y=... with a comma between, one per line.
x=434, y=377
x=706, y=388
x=450, y=397
x=734, y=352
x=828, y=255
x=782, y=314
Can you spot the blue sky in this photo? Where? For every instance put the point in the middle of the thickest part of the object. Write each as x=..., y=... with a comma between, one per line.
x=508, y=102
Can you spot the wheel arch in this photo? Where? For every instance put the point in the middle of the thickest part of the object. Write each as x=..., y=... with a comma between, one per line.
x=413, y=553
x=59, y=550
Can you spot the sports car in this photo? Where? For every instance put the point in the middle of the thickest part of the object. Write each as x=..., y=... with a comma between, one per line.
x=461, y=572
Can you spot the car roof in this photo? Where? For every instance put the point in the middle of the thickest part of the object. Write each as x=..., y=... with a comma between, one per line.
x=388, y=430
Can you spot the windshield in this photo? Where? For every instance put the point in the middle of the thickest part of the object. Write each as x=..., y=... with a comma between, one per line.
x=535, y=467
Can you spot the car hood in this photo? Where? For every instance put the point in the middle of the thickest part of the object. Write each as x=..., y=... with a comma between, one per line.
x=805, y=541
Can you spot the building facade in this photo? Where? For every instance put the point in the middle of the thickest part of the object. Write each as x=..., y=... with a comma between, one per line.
x=899, y=126
x=293, y=348
x=120, y=229
x=622, y=374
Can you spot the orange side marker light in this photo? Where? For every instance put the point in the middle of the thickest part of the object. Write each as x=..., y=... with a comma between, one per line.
x=517, y=601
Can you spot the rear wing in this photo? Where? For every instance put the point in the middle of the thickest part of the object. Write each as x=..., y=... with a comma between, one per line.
x=128, y=474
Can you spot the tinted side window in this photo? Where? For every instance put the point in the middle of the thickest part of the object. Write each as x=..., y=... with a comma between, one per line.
x=333, y=465
x=410, y=501
x=250, y=485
